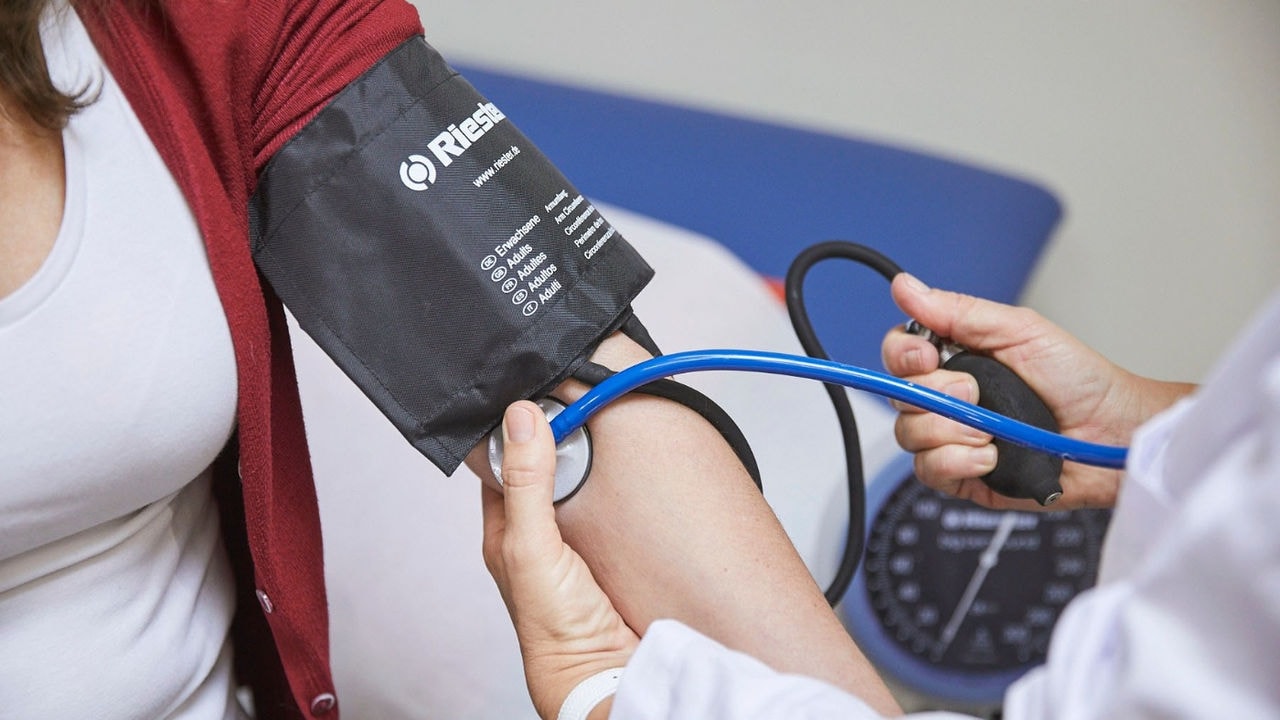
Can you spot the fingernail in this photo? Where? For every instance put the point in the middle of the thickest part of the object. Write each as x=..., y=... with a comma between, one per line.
x=518, y=424
x=914, y=283
x=914, y=360
x=960, y=390
x=984, y=459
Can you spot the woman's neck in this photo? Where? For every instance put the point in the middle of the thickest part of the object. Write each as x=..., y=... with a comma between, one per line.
x=32, y=186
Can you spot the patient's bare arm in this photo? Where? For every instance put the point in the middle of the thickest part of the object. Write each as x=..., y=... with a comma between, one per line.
x=672, y=527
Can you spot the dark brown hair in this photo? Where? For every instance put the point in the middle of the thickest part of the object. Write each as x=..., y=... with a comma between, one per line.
x=24, y=74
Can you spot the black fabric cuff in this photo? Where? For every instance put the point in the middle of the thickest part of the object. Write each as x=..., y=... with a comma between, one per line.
x=435, y=254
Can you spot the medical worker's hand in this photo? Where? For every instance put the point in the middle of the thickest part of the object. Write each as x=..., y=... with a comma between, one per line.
x=1092, y=398
x=568, y=628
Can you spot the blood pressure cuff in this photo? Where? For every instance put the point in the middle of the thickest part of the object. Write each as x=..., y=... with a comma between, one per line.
x=435, y=254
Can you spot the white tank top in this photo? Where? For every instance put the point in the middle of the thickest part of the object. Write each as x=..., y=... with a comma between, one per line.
x=117, y=390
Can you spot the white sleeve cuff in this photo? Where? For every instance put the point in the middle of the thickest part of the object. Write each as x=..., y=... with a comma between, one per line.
x=589, y=693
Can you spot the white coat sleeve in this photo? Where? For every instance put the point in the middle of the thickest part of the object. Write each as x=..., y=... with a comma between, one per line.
x=679, y=673
x=1185, y=620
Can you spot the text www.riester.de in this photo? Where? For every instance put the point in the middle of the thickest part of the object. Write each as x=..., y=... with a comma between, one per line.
x=497, y=165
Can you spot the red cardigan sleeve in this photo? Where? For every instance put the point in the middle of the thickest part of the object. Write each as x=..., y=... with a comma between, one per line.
x=219, y=87
x=311, y=51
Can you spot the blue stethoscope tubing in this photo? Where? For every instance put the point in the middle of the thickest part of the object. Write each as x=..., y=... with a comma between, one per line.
x=828, y=371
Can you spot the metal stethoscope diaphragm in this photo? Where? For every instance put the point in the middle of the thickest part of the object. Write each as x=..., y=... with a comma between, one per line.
x=573, y=454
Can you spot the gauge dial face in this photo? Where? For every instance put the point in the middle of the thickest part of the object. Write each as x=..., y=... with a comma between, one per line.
x=957, y=586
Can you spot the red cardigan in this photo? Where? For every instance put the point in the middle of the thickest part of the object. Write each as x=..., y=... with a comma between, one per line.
x=219, y=87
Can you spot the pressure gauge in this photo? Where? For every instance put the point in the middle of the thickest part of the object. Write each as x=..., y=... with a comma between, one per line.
x=955, y=601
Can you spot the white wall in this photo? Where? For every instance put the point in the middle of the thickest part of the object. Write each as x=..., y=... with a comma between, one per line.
x=1156, y=123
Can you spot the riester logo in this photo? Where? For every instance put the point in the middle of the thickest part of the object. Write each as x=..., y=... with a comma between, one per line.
x=419, y=173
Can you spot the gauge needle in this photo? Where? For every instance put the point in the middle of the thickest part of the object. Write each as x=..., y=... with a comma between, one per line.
x=987, y=560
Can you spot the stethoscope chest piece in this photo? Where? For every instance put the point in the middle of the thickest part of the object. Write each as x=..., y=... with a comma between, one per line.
x=573, y=454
